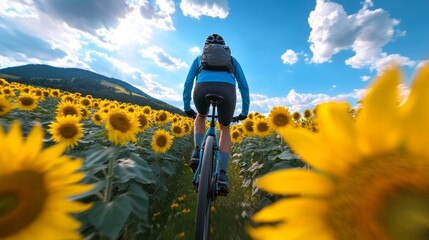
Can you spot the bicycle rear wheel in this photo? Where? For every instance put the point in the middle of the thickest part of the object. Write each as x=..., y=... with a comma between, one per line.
x=202, y=219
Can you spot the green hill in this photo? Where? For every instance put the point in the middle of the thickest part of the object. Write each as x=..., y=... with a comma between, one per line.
x=83, y=81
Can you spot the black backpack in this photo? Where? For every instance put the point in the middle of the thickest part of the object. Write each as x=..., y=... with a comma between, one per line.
x=216, y=57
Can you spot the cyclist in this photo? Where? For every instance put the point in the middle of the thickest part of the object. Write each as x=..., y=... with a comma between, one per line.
x=215, y=82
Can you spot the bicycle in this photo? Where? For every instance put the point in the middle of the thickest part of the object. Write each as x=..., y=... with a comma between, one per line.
x=206, y=178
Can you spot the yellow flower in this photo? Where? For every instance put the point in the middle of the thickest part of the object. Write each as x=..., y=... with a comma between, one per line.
x=162, y=117
x=181, y=198
x=68, y=108
x=371, y=175
x=68, y=98
x=261, y=127
x=86, y=102
x=236, y=136
x=279, y=117
x=35, y=187
x=181, y=235
x=248, y=127
x=121, y=126
x=177, y=130
x=67, y=129
x=97, y=118
x=174, y=205
x=8, y=91
x=5, y=105
x=143, y=120
x=161, y=141
x=27, y=101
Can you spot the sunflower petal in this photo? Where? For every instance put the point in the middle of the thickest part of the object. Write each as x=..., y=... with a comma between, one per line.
x=290, y=208
x=337, y=129
x=295, y=181
x=312, y=149
x=417, y=114
x=34, y=142
x=377, y=123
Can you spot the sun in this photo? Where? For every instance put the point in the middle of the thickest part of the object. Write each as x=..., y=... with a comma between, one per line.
x=36, y=186
x=369, y=177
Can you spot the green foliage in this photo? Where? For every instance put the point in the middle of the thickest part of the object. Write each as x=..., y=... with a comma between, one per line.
x=258, y=156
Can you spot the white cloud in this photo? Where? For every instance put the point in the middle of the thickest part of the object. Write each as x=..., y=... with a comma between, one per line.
x=365, y=32
x=211, y=8
x=144, y=81
x=289, y=57
x=162, y=59
x=195, y=50
x=365, y=78
x=296, y=101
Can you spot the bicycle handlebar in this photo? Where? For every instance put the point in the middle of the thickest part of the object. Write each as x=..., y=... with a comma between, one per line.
x=233, y=119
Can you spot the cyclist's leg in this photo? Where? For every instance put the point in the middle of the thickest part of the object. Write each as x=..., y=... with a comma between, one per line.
x=199, y=123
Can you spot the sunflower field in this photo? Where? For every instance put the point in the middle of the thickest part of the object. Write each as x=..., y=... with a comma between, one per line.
x=75, y=167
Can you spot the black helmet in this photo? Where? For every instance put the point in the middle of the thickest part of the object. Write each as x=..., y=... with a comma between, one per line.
x=215, y=39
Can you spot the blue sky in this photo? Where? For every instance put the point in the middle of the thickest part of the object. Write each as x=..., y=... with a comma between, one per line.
x=295, y=53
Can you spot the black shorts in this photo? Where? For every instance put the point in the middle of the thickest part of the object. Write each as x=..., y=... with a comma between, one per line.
x=225, y=109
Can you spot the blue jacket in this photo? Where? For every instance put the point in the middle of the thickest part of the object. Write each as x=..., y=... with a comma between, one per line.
x=216, y=76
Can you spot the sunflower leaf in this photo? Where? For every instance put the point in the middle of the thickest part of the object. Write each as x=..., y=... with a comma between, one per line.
x=110, y=218
x=139, y=200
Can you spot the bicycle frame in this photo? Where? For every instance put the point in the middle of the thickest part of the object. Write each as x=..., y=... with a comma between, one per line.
x=211, y=131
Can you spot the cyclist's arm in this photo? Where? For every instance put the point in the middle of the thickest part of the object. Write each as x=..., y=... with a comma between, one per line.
x=242, y=86
x=189, y=84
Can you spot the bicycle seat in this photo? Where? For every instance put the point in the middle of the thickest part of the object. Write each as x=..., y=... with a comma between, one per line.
x=214, y=98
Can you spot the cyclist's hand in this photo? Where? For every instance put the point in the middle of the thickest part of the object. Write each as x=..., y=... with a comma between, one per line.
x=239, y=118
x=191, y=113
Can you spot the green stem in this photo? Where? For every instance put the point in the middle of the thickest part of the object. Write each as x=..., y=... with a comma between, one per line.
x=109, y=177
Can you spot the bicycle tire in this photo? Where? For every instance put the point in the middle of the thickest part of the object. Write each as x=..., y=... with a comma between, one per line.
x=202, y=218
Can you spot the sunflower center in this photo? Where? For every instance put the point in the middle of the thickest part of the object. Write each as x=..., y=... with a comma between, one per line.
x=68, y=130
x=382, y=198
x=263, y=127
x=119, y=122
x=143, y=120
x=249, y=126
x=281, y=120
x=22, y=199
x=161, y=141
x=177, y=129
x=70, y=111
x=26, y=101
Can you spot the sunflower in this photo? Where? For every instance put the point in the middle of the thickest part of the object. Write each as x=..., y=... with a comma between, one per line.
x=5, y=105
x=143, y=120
x=296, y=116
x=3, y=82
x=86, y=102
x=248, y=127
x=261, y=127
x=68, y=98
x=177, y=130
x=97, y=118
x=279, y=117
x=236, y=136
x=307, y=114
x=147, y=109
x=55, y=93
x=121, y=126
x=68, y=108
x=35, y=188
x=161, y=141
x=7, y=91
x=27, y=101
x=67, y=129
x=371, y=175
x=162, y=117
